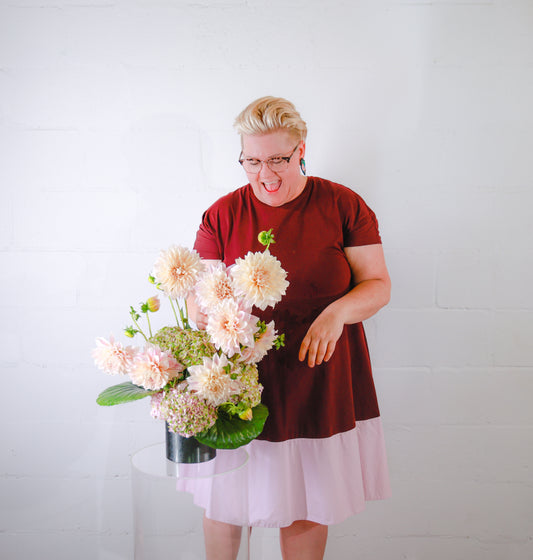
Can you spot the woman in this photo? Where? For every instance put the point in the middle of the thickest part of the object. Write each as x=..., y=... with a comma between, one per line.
x=321, y=453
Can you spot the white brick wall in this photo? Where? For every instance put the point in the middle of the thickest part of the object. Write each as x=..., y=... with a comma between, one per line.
x=115, y=135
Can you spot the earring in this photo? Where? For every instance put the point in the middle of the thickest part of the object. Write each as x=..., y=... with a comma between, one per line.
x=302, y=165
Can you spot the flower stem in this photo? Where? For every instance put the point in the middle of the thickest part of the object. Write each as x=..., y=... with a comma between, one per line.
x=149, y=325
x=183, y=316
x=173, y=309
x=139, y=328
x=187, y=326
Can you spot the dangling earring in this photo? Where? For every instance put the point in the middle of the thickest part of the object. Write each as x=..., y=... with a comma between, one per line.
x=302, y=165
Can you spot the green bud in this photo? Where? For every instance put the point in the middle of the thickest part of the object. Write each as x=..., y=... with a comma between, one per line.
x=130, y=332
x=280, y=341
x=246, y=414
x=266, y=237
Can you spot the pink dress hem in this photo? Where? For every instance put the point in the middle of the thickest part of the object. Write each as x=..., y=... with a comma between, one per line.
x=323, y=480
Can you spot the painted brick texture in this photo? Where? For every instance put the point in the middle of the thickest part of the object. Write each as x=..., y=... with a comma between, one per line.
x=115, y=135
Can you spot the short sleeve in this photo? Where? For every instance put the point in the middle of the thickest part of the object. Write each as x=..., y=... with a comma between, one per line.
x=360, y=225
x=207, y=245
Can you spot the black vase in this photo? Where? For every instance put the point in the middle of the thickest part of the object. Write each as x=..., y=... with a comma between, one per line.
x=187, y=450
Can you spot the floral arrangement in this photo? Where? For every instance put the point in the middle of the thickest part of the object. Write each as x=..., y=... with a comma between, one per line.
x=203, y=383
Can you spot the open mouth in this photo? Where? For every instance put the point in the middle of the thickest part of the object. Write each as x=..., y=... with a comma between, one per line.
x=272, y=187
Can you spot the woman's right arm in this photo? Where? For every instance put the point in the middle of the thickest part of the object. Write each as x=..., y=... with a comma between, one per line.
x=195, y=314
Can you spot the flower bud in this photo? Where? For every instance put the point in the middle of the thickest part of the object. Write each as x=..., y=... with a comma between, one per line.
x=153, y=303
x=266, y=237
x=247, y=414
x=130, y=332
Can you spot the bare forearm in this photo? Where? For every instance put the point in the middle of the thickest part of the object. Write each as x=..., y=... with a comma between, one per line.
x=361, y=302
x=370, y=294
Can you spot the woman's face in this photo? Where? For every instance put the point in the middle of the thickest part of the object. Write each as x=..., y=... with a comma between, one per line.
x=274, y=188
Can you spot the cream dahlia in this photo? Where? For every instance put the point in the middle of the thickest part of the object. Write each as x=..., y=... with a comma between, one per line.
x=153, y=368
x=214, y=286
x=177, y=270
x=262, y=344
x=260, y=279
x=112, y=357
x=230, y=325
x=212, y=382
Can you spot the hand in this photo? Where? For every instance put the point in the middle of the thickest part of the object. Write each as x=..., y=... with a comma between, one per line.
x=196, y=315
x=201, y=320
x=321, y=338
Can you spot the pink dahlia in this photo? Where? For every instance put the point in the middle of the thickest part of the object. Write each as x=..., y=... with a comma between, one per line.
x=230, y=325
x=177, y=270
x=211, y=381
x=112, y=357
x=214, y=287
x=153, y=368
x=260, y=279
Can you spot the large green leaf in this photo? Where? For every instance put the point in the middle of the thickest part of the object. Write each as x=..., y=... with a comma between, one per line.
x=232, y=432
x=122, y=393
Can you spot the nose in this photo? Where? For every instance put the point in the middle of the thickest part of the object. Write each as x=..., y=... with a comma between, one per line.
x=265, y=171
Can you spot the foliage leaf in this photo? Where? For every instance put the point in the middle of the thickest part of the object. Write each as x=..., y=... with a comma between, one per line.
x=232, y=432
x=122, y=393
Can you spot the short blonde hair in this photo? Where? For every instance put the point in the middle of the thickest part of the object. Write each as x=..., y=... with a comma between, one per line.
x=268, y=114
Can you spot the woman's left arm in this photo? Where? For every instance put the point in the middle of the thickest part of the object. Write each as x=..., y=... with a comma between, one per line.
x=371, y=292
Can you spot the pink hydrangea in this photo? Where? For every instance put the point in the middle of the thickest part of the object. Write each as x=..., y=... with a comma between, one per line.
x=155, y=405
x=186, y=413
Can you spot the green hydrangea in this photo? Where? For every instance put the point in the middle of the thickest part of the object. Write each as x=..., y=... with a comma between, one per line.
x=186, y=345
x=248, y=376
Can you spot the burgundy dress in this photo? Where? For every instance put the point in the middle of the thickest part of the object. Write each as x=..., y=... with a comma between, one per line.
x=321, y=454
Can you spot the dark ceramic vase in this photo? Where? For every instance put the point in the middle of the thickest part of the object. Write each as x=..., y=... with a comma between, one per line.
x=187, y=450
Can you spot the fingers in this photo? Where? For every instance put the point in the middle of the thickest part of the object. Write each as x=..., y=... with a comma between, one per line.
x=304, y=347
x=318, y=351
x=321, y=338
x=201, y=320
x=329, y=351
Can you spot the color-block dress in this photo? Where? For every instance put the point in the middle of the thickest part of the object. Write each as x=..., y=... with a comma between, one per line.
x=321, y=454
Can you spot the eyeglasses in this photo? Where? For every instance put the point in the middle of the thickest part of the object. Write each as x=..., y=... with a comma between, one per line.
x=275, y=164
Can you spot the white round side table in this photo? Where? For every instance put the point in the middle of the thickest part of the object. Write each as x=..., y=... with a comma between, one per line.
x=168, y=524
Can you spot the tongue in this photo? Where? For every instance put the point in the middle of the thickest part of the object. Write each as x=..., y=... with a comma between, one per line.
x=272, y=187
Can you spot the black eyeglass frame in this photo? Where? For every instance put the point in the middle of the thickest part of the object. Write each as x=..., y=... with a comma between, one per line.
x=287, y=159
